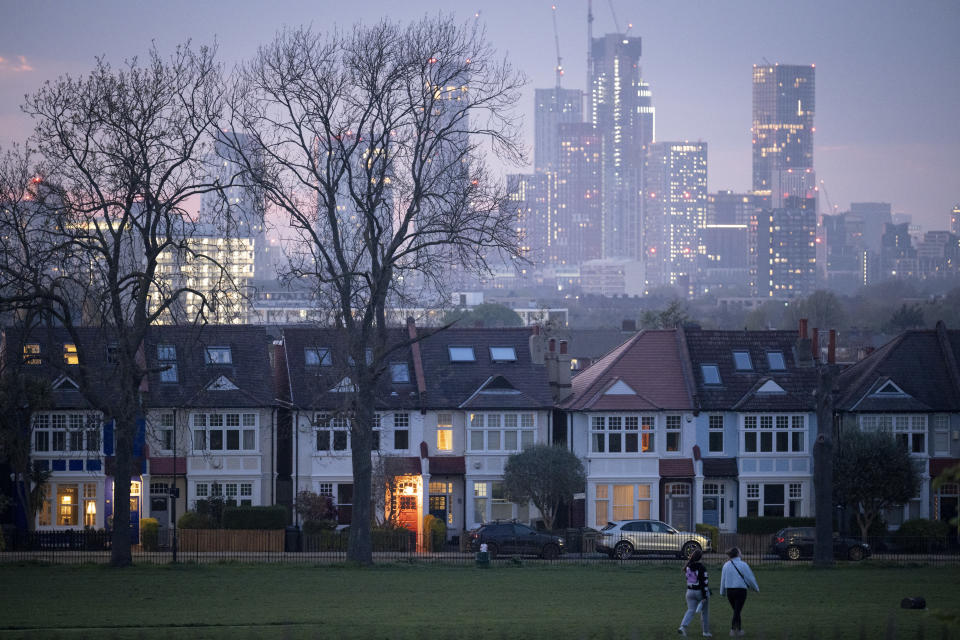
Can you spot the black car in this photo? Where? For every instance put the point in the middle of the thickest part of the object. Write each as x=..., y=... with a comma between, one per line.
x=795, y=543
x=513, y=538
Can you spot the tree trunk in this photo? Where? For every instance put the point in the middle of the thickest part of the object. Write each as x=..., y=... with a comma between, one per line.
x=823, y=470
x=124, y=429
x=359, y=545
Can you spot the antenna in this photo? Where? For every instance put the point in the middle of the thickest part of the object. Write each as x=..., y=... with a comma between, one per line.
x=556, y=42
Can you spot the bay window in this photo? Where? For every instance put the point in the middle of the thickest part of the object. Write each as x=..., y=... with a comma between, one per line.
x=621, y=434
x=223, y=431
x=501, y=431
x=774, y=434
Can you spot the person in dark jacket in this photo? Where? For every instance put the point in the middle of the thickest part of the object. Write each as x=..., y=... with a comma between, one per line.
x=697, y=594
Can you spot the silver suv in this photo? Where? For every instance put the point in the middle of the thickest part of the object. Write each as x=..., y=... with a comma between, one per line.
x=623, y=538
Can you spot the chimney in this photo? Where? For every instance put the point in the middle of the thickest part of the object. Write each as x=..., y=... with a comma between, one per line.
x=535, y=342
x=561, y=382
x=832, y=347
x=815, y=345
x=805, y=352
x=417, y=358
x=803, y=328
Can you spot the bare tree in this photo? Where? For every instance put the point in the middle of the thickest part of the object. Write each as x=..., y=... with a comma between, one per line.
x=372, y=144
x=124, y=153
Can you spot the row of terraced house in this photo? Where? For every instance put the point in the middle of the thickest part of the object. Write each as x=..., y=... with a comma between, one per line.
x=683, y=425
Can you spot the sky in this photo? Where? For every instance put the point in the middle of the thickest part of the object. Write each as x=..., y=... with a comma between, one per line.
x=887, y=86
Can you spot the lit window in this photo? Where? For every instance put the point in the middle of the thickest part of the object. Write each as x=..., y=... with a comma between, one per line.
x=776, y=361
x=741, y=360
x=462, y=354
x=70, y=354
x=218, y=355
x=444, y=432
x=31, y=353
x=503, y=354
x=711, y=373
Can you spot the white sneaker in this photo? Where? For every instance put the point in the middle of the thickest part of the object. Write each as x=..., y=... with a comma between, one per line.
x=682, y=631
x=707, y=634
x=733, y=633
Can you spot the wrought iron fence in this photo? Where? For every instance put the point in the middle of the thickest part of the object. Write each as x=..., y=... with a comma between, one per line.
x=401, y=546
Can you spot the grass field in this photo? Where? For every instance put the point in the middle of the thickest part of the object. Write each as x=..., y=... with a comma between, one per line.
x=507, y=601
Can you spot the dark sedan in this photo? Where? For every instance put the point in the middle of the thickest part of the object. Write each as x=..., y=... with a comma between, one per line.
x=796, y=543
x=513, y=538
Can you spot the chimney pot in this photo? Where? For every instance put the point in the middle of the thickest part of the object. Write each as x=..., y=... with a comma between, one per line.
x=803, y=327
x=815, y=345
x=832, y=347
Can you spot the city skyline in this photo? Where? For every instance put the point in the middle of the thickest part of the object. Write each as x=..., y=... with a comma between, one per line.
x=885, y=125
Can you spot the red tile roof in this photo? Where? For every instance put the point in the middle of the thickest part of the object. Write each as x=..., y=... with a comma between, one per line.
x=650, y=363
x=676, y=468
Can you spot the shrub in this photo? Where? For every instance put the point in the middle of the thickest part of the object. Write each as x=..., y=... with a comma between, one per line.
x=393, y=539
x=711, y=532
x=771, y=524
x=313, y=527
x=274, y=517
x=313, y=506
x=213, y=508
x=434, y=533
x=194, y=520
x=149, y=534
x=922, y=536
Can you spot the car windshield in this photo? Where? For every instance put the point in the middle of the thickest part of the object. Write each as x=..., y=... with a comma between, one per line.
x=609, y=525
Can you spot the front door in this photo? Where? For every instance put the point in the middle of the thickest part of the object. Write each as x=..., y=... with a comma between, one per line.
x=438, y=507
x=134, y=512
x=678, y=505
x=711, y=511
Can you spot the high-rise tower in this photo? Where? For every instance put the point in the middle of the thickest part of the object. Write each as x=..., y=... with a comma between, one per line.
x=783, y=111
x=552, y=107
x=621, y=109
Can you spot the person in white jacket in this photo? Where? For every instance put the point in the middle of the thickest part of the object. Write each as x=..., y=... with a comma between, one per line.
x=735, y=578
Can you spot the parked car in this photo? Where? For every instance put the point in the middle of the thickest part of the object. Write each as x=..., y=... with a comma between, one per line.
x=795, y=543
x=623, y=538
x=513, y=538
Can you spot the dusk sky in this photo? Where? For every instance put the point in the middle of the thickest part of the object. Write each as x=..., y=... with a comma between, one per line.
x=887, y=92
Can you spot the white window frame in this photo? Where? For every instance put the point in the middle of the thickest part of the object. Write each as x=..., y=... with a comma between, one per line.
x=941, y=434
x=908, y=429
x=769, y=430
x=79, y=433
x=208, y=422
x=605, y=429
x=444, y=432
x=501, y=431
x=214, y=355
x=713, y=428
x=673, y=426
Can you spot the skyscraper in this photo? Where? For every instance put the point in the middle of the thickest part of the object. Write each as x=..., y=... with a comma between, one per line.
x=783, y=112
x=552, y=107
x=675, y=206
x=783, y=253
x=955, y=220
x=621, y=109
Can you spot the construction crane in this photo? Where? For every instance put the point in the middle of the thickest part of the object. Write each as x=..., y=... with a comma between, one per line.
x=616, y=22
x=823, y=187
x=556, y=42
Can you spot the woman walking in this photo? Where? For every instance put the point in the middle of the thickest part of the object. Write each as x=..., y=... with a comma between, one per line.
x=735, y=578
x=697, y=595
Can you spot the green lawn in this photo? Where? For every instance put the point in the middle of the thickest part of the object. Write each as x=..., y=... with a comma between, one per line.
x=507, y=601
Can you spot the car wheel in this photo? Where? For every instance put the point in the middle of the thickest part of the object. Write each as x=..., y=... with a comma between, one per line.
x=855, y=554
x=550, y=552
x=622, y=551
x=492, y=550
x=793, y=553
x=689, y=548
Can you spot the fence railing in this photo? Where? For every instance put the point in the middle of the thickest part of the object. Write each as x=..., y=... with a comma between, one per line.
x=330, y=547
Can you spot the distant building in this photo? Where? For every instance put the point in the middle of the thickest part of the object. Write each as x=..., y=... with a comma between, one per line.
x=938, y=254
x=783, y=250
x=724, y=257
x=727, y=207
x=576, y=235
x=898, y=258
x=676, y=212
x=783, y=113
x=612, y=277
x=552, y=107
x=840, y=256
x=955, y=220
x=534, y=196
x=620, y=107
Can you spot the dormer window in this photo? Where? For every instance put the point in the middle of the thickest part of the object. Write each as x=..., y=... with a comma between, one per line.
x=741, y=360
x=462, y=354
x=218, y=355
x=711, y=373
x=503, y=354
x=167, y=358
x=31, y=354
x=317, y=357
x=776, y=361
x=399, y=372
x=70, y=354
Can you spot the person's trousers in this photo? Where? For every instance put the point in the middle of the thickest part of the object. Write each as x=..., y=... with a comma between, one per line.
x=737, y=598
x=694, y=598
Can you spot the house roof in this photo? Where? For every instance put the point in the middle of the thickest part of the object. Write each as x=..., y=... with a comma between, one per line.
x=922, y=364
x=759, y=388
x=243, y=382
x=720, y=468
x=481, y=383
x=676, y=468
x=315, y=386
x=646, y=373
